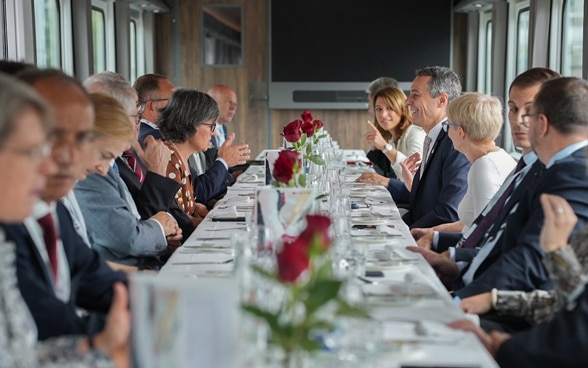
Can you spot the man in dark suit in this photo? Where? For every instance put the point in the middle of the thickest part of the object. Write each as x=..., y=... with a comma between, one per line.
x=521, y=93
x=154, y=91
x=441, y=181
x=57, y=272
x=510, y=257
x=558, y=131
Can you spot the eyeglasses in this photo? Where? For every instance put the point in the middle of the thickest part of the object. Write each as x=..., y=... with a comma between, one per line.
x=446, y=125
x=525, y=118
x=36, y=154
x=157, y=99
x=212, y=126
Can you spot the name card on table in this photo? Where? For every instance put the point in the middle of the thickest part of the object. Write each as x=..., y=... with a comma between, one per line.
x=184, y=323
x=283, y=209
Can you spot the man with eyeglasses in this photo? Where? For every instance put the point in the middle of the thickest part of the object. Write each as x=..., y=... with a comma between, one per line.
x=558, y=131
x=153, y=90
x=510, y=256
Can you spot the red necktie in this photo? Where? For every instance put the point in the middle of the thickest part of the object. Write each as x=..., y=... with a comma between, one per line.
x=50, y=238
x=132, y=161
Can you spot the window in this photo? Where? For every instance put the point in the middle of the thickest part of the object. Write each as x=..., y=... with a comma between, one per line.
x=3, y=37
x=572, y=38
x=133, y=49
x=138, y=35
x=99, y=40
x=522, y=43
x=48, y=33
x=485, y=53
x=488, y=58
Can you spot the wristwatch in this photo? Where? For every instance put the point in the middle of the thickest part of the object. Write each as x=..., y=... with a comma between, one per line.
x=389, y=147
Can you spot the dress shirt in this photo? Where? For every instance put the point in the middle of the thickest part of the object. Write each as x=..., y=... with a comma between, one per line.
x=433, y=134
x=62, y=287
x=147, y=122
x=220, y=135
x=487, y=248
x=529, y=160
x=73, y=207
x=488, y=245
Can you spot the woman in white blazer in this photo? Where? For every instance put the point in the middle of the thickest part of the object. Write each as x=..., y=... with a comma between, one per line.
x=393, y=133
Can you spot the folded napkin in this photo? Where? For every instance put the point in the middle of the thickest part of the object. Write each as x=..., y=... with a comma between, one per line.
x=407, y=254
x=384, y=211
x=229, y=212
x=253, y=178
x=387, y=230
x=237, y=200
x=438, y=329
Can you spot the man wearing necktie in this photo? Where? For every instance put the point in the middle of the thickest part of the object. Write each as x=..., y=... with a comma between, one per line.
x=521, y=93
x=441, y=181
x=57, y=273
x=510, y=257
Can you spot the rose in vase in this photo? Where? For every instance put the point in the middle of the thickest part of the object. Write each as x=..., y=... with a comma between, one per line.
x=287, y=170
x=305, y=271
x=302, y=134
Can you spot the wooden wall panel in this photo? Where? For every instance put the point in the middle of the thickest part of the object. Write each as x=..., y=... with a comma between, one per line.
x=254, y=122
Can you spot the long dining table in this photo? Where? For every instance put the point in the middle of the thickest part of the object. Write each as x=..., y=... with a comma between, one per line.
x=405, y=298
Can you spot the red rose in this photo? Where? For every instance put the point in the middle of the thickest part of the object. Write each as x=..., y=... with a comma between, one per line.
x=317, y=226
x=306, y=116
x=284, y=166
x=292, y=260
x=308, y=128
x=292, y=132
x=317, y=125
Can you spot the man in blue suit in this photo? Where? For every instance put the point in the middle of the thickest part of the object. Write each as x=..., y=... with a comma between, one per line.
x=441, y=181
x=57, y=273
x=510, y=257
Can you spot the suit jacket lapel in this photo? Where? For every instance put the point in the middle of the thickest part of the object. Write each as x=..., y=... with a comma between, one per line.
x=417, y=176
x=31, y=242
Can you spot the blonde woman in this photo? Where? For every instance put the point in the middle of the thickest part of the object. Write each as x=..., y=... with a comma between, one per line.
x=115, y=227
x=474, y=122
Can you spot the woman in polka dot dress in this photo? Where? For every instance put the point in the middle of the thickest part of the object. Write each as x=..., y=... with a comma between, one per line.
x=187, y=124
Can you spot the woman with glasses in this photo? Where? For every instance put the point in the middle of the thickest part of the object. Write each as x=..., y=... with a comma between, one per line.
x=474, y=121
x=187, y=125
x=393, y=136
x=24, y=163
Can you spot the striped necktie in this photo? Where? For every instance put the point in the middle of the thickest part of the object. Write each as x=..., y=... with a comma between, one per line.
x=134, y=165
x=484, y=223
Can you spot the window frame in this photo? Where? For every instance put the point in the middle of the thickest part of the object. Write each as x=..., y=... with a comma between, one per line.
x=484, y=80
x=107, y=7
x=561, y=40
x=136, y=15
x=515, y=7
